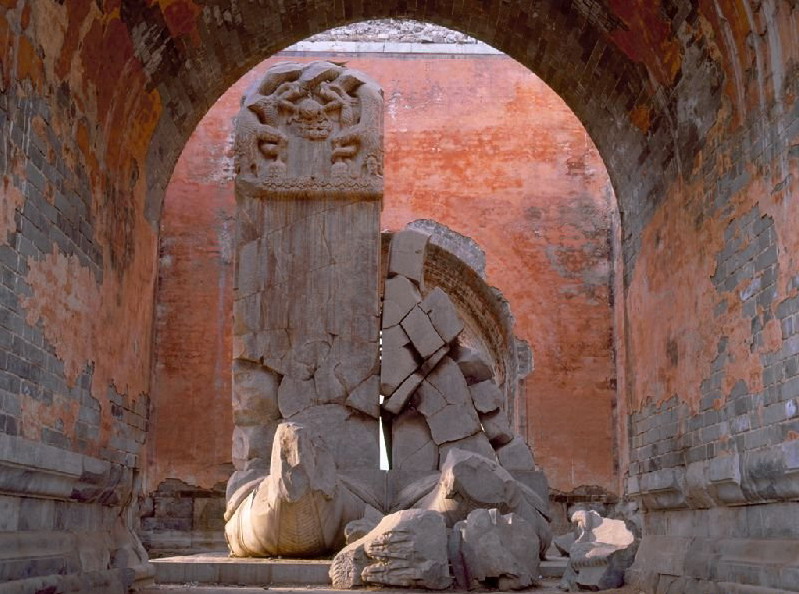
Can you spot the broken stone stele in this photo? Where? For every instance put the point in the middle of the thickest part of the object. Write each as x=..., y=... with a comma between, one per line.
x=308, y=370
x=309, y=184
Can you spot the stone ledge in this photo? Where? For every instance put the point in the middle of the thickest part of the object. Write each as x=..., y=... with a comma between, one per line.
x=768, y=474
x=32, y=469
x=219, y=568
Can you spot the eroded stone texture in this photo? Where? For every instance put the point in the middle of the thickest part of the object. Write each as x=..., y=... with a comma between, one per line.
x=406, y=549
x=309, y=183
x=300, y=509
x=600, y=554
x=496, y=550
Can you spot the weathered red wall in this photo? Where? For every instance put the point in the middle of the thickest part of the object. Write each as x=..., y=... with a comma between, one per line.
x=478, y=144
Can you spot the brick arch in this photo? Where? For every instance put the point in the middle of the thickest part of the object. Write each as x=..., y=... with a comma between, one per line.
x=569, y=45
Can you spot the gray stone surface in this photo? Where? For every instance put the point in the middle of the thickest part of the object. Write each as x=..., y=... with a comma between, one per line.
x=448, y=380
x=406, y=549
x=516, y=455
x=399, y=297
x=477, y=443
x=443, y=314
x=497, y=550
x=453, y=422
x=412, y=446
x=397, y=365
x=497, y=428
x=474, y=365
x=599, y=555
x=423, y=335
x=406, y=255
x=402, y=394
x=366, y=397
x=486, y=395
x=308, y=146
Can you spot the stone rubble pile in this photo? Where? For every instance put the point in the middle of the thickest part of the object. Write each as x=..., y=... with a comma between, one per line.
x=602, y=550
x=439, y=393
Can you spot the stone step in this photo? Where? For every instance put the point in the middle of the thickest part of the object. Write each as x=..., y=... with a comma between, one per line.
x=220, y=569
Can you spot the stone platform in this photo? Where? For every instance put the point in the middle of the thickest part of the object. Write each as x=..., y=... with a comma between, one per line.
x=220, y=569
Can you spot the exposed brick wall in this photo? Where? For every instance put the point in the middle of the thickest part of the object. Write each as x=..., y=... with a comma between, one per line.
x=692, y=105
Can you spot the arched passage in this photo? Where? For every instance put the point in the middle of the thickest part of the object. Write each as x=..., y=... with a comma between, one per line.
x=692, y=105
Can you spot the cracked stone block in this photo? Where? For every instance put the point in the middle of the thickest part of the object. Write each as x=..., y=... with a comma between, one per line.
x=252, y=442
x=497, y=427
x=366, y=397
x=395, y=337
x=600, y=554
x=255, y=390
x=406, y=254
x=399, y=297
x=487, y=396
x=495, y=550
x=402, y=394
x=423, y=335
x=449, y=381
x=295, y=395
x=397, y=365
x=327, y=386
x=477, y=443
x=443, y=315
x=429, y=400
x=516, y=455
x=350, y=436
x=406, y=549
x=454, y=422
x=412, y=446
x=430, y=363
x=474, y=365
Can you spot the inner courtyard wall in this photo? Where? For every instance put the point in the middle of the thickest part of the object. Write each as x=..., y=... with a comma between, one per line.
x=539, y=204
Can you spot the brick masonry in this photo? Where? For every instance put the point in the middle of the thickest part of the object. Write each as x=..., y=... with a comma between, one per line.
x=692, y=105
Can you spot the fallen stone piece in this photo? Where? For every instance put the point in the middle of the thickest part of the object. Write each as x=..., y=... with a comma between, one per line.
x=402, y=394
x=406, y=254
x=474, y=366
x=406, y=549
x=357, y=529
x=428, y=400
x=477, y=443
x=486, y=395
x=602, y=551
x=399, y=297
x=497, y=429
x=469, y=481
x=498, y=550
x=449, y=381
x=397, y=365
x=443, y=315
x=453, y=422
x=564, y=543
x=420, y=330
x=300, y=509
x=516, y=455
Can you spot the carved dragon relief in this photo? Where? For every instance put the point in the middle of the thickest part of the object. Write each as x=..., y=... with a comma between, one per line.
x=311, y=129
